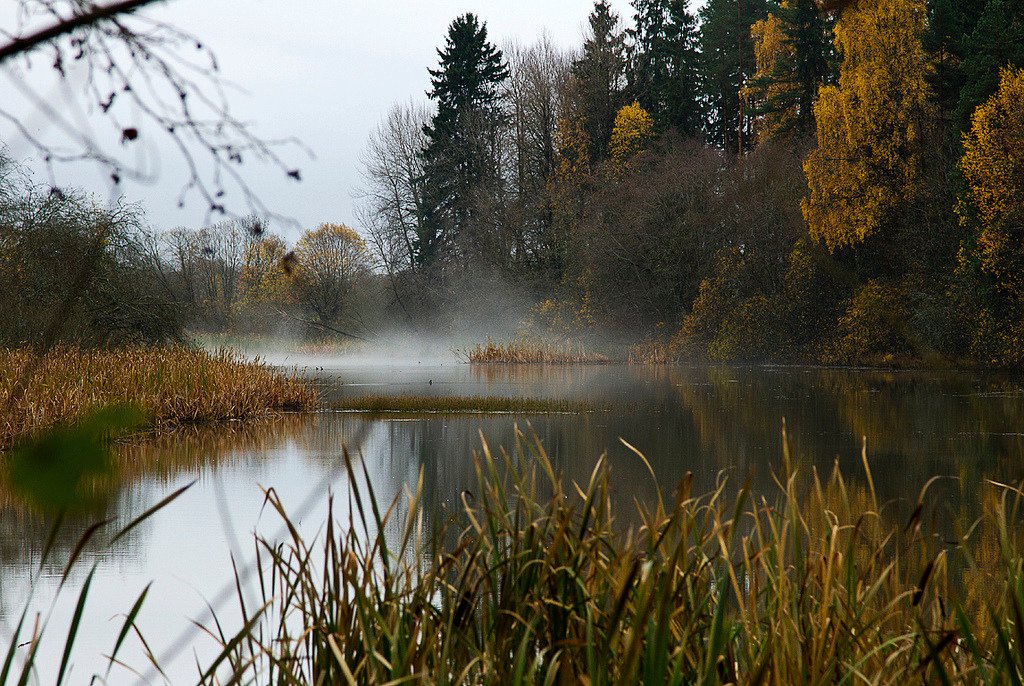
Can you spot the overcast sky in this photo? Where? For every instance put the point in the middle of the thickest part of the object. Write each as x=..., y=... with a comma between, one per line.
x=325, y=71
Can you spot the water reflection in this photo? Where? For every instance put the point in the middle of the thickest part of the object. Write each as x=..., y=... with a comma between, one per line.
x=701, y=420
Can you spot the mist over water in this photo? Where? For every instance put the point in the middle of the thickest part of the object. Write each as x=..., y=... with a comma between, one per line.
x=720, y=422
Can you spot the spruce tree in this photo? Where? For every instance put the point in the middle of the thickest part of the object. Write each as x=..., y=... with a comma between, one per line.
x=996, y=42
x=948, y=42
x=664, y=71
x=599, y=77
x=727, y=63
x=460, y=156
x=795, y=57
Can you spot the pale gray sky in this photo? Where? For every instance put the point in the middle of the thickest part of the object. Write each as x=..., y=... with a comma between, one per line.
x=325, y=71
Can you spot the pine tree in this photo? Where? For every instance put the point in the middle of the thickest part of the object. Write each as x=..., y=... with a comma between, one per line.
x=460, y=155
x=664, y=70
x=727, y=62
x=951, y=24
x=599, y=77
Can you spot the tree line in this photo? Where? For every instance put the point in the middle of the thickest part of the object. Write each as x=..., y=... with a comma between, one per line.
x=831, y=182
x=798, y=180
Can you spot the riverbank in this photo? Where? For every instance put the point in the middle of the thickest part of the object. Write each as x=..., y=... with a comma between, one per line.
x=171, y=385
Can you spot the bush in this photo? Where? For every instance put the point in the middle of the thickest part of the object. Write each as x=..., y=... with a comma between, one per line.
x=73, y=272
x=873, y=328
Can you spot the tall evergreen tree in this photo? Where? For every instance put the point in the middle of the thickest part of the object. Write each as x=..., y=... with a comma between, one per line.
x=664, y=74
x=599, y=77
x=460, y=155
x=727, y=62
x=795, y=57
x=996, y=42
x=951, y=24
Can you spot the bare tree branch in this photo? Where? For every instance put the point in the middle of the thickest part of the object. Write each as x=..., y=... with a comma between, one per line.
x=86, y=16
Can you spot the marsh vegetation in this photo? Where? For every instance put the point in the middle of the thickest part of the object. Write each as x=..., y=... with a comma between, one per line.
x=171, y=386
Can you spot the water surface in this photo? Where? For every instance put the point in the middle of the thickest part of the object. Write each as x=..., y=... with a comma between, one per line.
x=717, y=422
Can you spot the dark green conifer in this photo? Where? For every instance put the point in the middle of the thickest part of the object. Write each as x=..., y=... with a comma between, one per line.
x=664, y=74
x=460, y=154
x=599, y=77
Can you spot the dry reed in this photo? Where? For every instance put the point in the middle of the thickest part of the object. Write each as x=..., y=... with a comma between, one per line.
x=524, y=351
x=171, y=385
x=539, y=583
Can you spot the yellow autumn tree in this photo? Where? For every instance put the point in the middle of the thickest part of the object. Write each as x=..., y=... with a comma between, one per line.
x=264, y=276
x=634, y=129
x=572, y=170
x=770, y=50
x=330, y=263
x=869, y=125
x=993, y=166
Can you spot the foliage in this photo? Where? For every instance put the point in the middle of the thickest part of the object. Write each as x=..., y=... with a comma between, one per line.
x=264, y=278
x=646, y=239
x=871, y=126
x=664, y=71
x=70, y=271
x=634, y=129
x=330, y=262
x=459, y=155
x=993, y=165
x=873, y=328
x=793, y=58
x=727, y=62
x=995, y=43
x=599, y=79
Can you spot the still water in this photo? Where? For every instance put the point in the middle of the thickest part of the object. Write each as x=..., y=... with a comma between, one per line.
x=717, y=422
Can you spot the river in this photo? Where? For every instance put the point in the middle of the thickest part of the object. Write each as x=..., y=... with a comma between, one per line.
x=717, y=422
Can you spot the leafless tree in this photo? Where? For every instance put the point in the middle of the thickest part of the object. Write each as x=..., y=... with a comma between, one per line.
x=536, y=99
x=392, y=203
x=146, y=79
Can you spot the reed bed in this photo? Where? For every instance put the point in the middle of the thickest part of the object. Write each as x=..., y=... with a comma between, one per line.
x=470, y=404
x=524, y=351
x=171, y=385
x=651, y=353
x=541, y=582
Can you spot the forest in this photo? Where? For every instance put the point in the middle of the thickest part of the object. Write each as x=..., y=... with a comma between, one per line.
x=794, y=181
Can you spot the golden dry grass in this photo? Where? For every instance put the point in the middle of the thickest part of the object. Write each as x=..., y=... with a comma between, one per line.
x=524, y=351
x=172, y=386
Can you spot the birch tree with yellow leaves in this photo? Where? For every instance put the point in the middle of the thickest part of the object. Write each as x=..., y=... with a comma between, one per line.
x=871, y=125
x=634, y=129
x=993, y=166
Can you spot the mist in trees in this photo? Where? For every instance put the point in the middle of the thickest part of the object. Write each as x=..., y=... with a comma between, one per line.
x=757, y=180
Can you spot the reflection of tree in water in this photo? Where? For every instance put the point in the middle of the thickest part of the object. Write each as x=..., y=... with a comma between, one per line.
x=700, y=420
x=146, y=469
x=917, y=425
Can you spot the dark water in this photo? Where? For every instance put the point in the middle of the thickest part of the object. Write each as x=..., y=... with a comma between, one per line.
x=718, y=422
